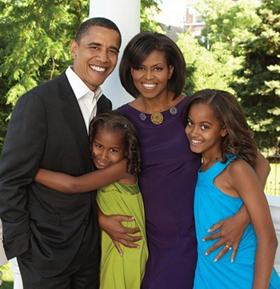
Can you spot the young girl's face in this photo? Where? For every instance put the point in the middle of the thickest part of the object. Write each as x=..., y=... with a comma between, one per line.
x=204, y=130
x=152, y=76
x=107, y=148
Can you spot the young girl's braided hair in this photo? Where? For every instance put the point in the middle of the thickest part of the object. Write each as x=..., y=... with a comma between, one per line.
x=115, y=122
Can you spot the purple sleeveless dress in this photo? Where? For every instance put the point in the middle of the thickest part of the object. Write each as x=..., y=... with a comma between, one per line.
x=167, y=183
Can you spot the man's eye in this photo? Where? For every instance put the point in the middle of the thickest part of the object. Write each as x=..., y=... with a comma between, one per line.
x=113, y=51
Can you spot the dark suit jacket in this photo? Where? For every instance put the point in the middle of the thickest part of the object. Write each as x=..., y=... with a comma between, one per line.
x=46, y=130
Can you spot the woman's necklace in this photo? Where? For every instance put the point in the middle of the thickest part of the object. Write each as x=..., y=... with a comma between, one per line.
x=157, y=118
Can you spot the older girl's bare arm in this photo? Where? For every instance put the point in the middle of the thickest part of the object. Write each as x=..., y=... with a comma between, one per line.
x=232, y=228
x=90, y=181
x=251, y=191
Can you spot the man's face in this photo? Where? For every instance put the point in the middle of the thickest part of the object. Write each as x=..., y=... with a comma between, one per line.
x=96, y=55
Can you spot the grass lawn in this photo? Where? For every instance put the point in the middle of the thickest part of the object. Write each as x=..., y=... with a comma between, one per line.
x=7, y=277
x=273, y=181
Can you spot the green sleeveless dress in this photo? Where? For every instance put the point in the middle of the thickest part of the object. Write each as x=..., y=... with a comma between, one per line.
x=124, y=272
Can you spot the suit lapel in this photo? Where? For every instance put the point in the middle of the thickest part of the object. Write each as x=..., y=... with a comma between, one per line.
x=73, y=116
x=103, y=104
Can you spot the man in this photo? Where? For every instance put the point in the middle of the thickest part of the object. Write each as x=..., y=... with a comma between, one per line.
x=55, y=236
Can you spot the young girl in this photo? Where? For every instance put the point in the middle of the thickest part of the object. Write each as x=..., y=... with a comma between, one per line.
x=116, y=155
x=216, y=128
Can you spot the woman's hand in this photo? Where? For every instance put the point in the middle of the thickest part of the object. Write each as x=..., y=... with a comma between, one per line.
x=112, y=225
x=230, y=233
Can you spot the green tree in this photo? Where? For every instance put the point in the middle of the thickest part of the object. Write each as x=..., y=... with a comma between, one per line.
x=227, y=24
x=34, y=47
x=148, y=9
x=258, y=82
x=205, y=69
x=228, y=21
x=36, y=43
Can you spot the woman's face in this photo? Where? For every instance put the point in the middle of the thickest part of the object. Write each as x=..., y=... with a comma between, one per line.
x=152, y=75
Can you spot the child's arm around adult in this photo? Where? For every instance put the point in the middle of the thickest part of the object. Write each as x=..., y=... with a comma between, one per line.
x=85, y=183
x=232, y=228
x=245, y=181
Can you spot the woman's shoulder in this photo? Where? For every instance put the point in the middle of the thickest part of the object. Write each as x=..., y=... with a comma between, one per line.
x=128, y=106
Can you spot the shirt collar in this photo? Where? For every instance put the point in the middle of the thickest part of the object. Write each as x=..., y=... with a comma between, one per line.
x=79, y=87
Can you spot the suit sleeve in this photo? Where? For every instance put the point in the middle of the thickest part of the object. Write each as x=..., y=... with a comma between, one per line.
x=20, y=160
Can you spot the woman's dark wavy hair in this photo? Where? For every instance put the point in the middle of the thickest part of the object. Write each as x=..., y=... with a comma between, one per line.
x=239, y=139
x=139, y=48
x=115, y=122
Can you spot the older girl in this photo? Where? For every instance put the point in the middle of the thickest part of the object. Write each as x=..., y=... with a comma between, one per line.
x=216, y=128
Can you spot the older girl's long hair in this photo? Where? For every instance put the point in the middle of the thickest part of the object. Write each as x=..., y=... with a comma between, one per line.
x=239, y=140
x=115, y=122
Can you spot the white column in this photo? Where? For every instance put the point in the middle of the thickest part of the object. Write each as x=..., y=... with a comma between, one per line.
x=126, y=14
x=274, y=204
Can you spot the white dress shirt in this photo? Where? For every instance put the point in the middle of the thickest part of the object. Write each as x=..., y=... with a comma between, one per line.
x=87, y=99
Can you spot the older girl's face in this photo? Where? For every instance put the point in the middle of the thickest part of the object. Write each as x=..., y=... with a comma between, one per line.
x=204, y=130
x=152, y=76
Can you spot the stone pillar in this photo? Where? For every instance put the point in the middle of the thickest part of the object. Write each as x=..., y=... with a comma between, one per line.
x=126, y=14
x=274, y=204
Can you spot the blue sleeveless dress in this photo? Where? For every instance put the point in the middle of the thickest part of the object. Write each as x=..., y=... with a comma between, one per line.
x=210, y=206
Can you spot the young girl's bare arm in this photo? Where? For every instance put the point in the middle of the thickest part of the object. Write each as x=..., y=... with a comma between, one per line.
x=91, y=181
x=250, y=190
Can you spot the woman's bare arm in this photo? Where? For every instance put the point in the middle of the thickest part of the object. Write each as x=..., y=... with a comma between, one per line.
x=262, y=168
x=113, y=226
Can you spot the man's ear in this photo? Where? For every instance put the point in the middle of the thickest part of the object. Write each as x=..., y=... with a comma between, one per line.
x=73, y=48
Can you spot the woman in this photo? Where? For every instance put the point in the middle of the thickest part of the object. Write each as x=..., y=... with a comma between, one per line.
x=153, y=71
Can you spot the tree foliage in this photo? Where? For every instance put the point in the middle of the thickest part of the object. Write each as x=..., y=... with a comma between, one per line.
x=34, y=44
x=205, y=69
x=212, y=59
x=228, y=21
x=34, y=48
x=148, y=9
x=258, y=83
